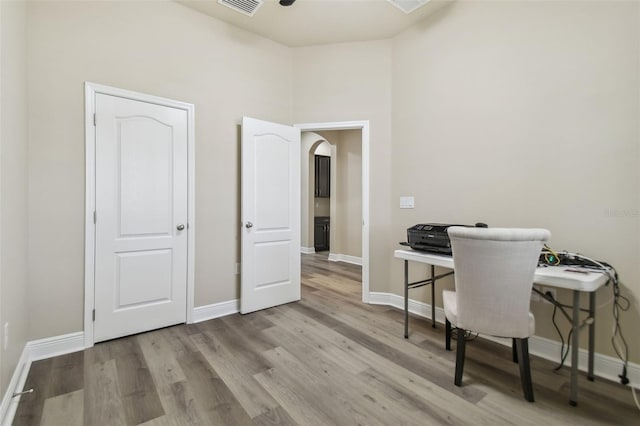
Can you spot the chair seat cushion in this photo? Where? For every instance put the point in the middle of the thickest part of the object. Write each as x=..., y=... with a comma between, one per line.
x=451, y=311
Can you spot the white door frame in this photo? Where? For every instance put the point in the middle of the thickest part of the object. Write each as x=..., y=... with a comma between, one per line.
x=364, y=127
x=90, y=90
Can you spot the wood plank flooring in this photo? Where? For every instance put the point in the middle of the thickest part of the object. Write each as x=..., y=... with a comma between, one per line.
x=326, y=360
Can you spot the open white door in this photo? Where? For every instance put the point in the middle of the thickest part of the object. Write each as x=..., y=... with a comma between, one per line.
x=270, y=215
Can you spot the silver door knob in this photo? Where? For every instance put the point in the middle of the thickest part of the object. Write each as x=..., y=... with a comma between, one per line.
x=180, y=227
x=248, y=225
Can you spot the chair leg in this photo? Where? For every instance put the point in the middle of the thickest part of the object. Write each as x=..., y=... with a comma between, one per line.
x=514, y=351
x=522, y=346
x=460, y=347
x=447, y=334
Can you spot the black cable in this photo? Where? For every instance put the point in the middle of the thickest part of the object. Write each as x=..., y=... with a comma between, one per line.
x=620, y=304
x=468, y=335
x=563, y=356
x=563, y=353
x=555, y=324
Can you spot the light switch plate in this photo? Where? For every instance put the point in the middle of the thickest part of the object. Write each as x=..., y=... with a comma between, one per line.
x=407, y=202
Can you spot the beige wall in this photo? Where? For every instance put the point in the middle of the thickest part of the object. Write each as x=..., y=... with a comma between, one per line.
x=308, y=141
x=525, y=114
x=13, y=181
x=352, y=81
x=160, y=48
x=346, y=219
x=321, y=206
x=349, y=193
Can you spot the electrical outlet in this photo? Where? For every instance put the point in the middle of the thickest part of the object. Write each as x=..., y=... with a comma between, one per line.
x=551, y=291
x=6, y=335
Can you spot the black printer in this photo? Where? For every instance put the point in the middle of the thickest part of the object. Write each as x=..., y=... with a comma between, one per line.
x=431, y=237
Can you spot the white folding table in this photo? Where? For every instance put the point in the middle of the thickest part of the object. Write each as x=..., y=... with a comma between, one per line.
x=565, y=277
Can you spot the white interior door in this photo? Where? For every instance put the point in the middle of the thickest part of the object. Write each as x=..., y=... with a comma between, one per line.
x=141, y=216
x=270, y=215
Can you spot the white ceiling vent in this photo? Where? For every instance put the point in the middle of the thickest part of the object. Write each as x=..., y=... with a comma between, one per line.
x=408, y=6
x=246, y=7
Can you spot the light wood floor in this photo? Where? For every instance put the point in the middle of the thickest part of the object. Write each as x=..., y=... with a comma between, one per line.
x=328, y=359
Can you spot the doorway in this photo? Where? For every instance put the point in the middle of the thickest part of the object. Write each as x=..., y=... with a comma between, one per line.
x=363, y=222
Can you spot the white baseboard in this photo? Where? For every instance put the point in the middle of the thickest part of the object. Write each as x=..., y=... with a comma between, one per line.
x=217, y=310
x=420, y=309
x=54, y=346
x=335, y=257
x=9, y=404
x=307, y=250
x=604, y=366
x=33, y=351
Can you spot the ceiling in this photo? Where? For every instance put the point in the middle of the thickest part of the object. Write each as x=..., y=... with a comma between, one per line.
x=312, y=22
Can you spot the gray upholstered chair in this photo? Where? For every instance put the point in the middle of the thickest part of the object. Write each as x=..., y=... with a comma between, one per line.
x=494, y=269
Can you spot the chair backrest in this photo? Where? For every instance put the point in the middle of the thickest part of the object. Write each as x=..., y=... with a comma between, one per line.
x=494, y=269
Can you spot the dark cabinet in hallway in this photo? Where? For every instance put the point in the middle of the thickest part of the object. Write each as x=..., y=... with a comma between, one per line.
x=323, y=176
x=321, y=233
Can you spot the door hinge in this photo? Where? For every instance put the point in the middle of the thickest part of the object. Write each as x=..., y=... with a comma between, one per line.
x=94, y=118
x=94, y=315
x=94, y=217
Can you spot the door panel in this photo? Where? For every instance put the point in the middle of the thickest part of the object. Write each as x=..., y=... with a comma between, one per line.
x=272, y=176
x=272, y=264
x=141, y=197
x=146, y=177
x=138, y=267
x=270, y=215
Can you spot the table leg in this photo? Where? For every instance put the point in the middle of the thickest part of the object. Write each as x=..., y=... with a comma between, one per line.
x=575, y=339
x=406, y=299
x=592, y=332
x=433, y=297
